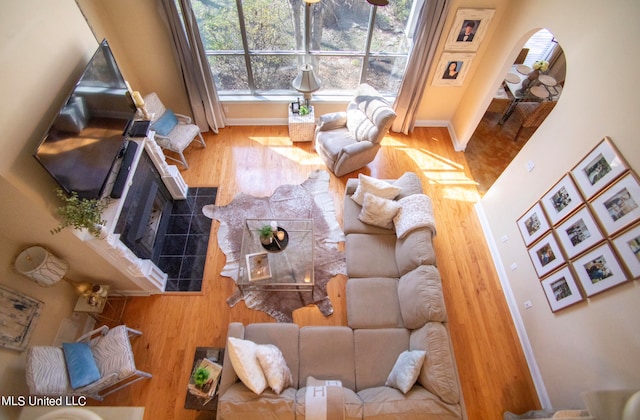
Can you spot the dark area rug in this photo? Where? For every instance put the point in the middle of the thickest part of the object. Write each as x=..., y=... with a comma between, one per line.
x=184, y=250
x=311, y=200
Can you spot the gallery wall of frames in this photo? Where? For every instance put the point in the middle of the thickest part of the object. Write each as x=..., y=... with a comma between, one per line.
x=583, y=235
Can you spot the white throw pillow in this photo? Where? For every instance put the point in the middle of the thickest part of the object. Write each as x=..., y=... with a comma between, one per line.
x=416, y=211
x=406, y=370
x=274, y=367
x=378, y=211
x=374, y=186
x=242, y=354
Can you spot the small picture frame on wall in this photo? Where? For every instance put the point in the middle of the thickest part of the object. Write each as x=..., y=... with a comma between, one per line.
x=599, y=168
x=619, y=205
x=628, y=246
x=561, y=289
x=579, y=233
x=468, y=30
x=599, y=270
x=546, y=255
x=533, y=224
x=561, y=200
x=452, y=69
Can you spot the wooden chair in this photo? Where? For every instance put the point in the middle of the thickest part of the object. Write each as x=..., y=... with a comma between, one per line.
x=532, y=114
x=500, y=101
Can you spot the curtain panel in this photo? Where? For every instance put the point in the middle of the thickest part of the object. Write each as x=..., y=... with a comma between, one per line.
x=199, y=84
x=426, y=38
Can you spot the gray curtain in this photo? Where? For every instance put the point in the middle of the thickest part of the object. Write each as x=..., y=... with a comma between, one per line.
x=425, y=42
x=201, y=89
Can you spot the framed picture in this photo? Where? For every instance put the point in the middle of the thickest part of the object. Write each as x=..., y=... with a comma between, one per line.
x=18, y=317
x=579, y=233
x=619, y=205
x=561, y=200
x=598, y=270
x=561, y=289
x=628, y=246
x=599, y=168
x=452, y=69
x=533, y=224
x=546, y=255
x=468, y=30
x=258, y=267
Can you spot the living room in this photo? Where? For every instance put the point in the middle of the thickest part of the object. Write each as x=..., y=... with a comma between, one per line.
x=571, y=351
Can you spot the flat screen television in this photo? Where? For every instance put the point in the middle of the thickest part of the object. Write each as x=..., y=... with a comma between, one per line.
x=88, y=134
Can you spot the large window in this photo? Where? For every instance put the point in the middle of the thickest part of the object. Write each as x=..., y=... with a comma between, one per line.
x=255, y=47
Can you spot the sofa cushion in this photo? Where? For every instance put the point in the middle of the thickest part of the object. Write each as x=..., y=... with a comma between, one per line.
x=376, y=352
x=377, y=187
x=409, y=184
x=352, y=224
x=243, y=358
x=359, y=125
x=352, y=404
x=415, y=249
x=281, y=334
x=373, y=303
x=274, y=367
x=329, y=144
x=438, y=373
x=385, y=403
x=420, y=297
x=416, y=211
x=406, y=370
x=240, y=403
x=371, y=255
x=327, y=353
x=378, y=211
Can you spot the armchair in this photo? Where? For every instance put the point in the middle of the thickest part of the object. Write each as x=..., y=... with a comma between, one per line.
x=348, y=141
x=174, y=132
x=111, y=349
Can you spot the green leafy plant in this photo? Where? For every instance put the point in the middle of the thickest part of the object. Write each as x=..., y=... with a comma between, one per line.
x=304, y=110
x=200, y=376
x=265, y=231
x=80, y=213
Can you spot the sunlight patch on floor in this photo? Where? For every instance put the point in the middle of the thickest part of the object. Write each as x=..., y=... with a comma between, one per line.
x=286, y=148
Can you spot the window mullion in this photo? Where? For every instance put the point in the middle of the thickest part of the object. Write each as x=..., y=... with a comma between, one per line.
x=245, y=46
x=365, y=60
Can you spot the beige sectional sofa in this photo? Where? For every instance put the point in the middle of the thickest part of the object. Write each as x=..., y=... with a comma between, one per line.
x=394, y=305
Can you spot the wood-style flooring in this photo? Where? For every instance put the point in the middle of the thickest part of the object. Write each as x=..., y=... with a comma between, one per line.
x=255, y=160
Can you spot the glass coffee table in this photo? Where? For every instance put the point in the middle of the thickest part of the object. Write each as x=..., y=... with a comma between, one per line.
x=285, y=264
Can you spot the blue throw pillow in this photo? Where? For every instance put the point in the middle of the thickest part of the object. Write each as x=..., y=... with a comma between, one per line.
x=165, y=123
x=81, y=365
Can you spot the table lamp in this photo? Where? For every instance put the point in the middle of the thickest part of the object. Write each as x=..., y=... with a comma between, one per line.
x=46, y=269
x=306, y=82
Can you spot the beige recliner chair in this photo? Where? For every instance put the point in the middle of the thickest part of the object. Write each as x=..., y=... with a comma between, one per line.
x=348, y=141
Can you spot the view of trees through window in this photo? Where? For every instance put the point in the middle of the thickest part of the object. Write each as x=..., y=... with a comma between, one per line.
x=256, y=47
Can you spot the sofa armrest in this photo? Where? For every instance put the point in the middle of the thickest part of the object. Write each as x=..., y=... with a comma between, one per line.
x=332, y=121
x=229, y=377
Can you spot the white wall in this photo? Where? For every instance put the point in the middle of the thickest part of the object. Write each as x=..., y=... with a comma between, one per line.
x=595, y=344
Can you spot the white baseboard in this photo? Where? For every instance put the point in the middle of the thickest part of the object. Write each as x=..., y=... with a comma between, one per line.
x=538, y=382
x=256, y=121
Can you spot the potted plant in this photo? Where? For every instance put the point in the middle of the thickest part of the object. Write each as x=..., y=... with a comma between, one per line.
x=266, y=234
x=200, y=377
x=80, y=213
x=304, y=110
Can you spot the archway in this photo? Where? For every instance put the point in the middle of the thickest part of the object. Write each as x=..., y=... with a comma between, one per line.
x=493, y=144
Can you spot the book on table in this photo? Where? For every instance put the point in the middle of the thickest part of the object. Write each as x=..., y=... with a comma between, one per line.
x=209, y=388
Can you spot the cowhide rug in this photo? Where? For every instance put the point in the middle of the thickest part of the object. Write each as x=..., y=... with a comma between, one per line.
x=310, y=200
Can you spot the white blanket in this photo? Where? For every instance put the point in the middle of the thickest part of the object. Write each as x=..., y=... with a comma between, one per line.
x=323, y=399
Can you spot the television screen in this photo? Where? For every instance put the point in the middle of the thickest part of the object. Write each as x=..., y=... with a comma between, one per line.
x=88, y=133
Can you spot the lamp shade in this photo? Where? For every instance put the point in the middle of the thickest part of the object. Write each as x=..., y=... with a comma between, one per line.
x=306, y=81
x=378, y=2
x=311, y=1
x=41, y=266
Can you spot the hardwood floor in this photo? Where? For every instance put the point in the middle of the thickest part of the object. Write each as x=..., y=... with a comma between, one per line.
x=255, y=160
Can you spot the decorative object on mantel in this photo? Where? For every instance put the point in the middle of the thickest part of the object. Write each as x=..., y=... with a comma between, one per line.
x=40, y=265
x=80, y=213
x=17, y=318
x=312, y=200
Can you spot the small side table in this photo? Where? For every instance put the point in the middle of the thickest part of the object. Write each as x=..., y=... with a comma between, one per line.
x=301, y=127
x=103, y=300
x=192, y=402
